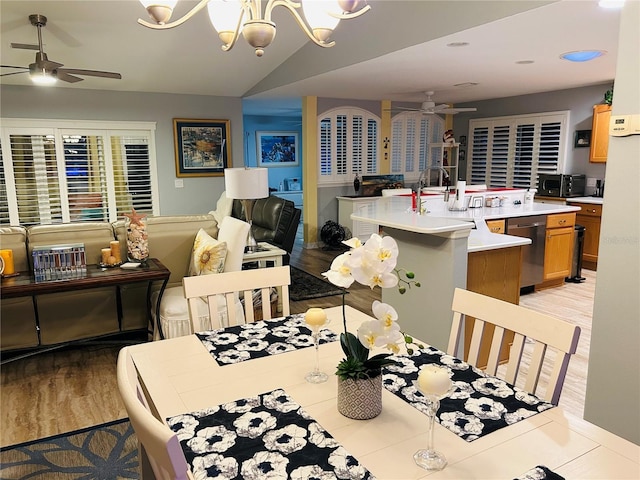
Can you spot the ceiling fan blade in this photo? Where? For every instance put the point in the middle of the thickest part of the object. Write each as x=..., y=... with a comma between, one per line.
x=13, y=66
x=25, y=46
x=13, y=73
x=465, y=109
x=91, y=73
x=65, y=77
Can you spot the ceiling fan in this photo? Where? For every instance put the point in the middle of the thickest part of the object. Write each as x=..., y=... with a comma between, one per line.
x=45, y=71
x=429, y=107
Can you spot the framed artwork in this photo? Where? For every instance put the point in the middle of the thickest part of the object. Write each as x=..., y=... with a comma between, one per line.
x=203, y=147
x=583, y=139
x=277, y=149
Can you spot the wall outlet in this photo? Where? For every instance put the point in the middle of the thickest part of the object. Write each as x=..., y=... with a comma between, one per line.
x=591, y=182
x=179, y=183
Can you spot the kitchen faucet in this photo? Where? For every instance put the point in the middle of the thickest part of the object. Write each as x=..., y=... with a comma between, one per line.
x=421, y=180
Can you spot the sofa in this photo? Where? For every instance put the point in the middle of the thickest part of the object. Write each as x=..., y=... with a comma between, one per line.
x=274, y=220
x=84, y=314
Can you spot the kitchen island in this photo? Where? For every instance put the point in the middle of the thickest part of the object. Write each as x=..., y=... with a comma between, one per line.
x=436, y=247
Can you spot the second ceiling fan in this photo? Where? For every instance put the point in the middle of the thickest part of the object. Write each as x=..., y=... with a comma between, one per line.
x=429, y=107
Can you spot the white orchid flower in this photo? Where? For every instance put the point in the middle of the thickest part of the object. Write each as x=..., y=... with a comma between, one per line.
x=369, y=333
x=340, y=272
x=391, y=341
x=353, y=242
x=374, y=275
x=386, y=314
x=383, y=249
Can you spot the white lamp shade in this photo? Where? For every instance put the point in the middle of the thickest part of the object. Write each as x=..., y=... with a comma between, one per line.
x=246, y=183
x=160, y=3
x=317, y=13
x=224, y=14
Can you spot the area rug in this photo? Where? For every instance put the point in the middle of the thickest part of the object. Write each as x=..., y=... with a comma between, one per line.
x=304, y=286
x=105, y=452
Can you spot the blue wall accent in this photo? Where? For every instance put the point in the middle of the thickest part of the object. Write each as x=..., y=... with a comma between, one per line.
x=253, y=124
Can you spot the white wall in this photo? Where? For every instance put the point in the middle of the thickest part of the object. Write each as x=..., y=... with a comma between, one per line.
x=613, y=382
x=200, y=194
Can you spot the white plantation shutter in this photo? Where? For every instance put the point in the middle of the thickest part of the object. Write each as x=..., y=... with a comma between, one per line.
x=512, y=151
x=348, y=145
x=68, y=172
x=411, y=136
x=4, y=202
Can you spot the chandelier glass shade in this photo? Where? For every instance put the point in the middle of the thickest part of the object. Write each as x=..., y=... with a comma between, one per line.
x=232, y=17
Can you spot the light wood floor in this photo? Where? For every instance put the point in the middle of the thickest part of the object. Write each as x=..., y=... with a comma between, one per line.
x=65, y=390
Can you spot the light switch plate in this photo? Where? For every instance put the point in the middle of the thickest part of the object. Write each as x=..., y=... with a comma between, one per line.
x=178, y=183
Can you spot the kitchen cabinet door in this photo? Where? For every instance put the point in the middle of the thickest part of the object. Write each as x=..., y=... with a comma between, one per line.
x=600, y=134
x=496, y=226
x=558, y=253
x=591, y=240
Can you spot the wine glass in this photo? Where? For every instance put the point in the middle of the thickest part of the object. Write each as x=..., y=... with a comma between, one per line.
x=316, y=318
x=434, y=382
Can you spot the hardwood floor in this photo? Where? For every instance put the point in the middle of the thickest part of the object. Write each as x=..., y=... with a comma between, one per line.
x=65, y=390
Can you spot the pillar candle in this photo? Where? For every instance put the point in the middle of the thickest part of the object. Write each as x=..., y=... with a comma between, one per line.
x=434, y=380
x=7, y=256
x=115, y=250
x=106, y=253
x=315, y=317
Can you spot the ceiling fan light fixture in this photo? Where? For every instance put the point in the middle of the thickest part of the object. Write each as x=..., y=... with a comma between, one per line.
x=40, y=76
x=582, y=55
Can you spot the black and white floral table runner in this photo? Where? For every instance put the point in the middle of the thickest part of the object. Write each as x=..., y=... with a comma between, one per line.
x=480, y=404
x=260, y=339
x=540, y=473
x=268, y=436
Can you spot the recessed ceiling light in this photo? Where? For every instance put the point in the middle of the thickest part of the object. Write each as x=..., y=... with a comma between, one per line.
x=582, y=55
x=457, y=44
x=465, y=84
x=525, y=62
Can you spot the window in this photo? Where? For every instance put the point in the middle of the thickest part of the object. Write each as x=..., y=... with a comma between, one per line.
x=411, y=136
x=512, y=151
x=348, y=144
x=57, y=171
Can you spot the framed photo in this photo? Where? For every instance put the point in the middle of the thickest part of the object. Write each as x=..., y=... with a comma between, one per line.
x=203, y=147
x=277, y=149
x=583, y=139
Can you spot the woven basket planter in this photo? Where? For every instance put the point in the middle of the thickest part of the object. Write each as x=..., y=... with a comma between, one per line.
x=360, y=399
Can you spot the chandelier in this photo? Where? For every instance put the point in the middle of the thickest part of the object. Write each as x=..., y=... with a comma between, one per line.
x=230, y=17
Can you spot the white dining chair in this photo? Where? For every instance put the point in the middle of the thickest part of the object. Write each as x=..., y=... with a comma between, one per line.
x=160, y=453
x=536, y=329
x=231, y=285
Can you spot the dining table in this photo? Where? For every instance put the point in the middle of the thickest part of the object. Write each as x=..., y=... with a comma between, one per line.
x=181, y=376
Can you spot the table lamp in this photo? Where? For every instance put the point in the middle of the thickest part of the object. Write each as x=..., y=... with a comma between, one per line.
x=247, y=185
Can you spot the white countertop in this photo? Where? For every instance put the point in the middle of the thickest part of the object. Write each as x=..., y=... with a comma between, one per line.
x=394, y=212
x=591, y=200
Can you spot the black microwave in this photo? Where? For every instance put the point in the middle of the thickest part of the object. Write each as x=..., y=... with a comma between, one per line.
x=560, y=185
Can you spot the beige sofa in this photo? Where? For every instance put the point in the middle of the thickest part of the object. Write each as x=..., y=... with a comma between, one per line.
x=83, y=314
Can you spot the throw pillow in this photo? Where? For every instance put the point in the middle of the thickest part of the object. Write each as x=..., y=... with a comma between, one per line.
x=208, y=255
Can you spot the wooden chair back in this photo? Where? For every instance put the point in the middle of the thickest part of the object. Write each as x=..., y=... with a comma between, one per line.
x=159, y=446
x=231, y=285
x=528, y=325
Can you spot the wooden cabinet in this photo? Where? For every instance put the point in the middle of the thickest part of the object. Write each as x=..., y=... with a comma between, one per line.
x=347, y=206
x=589, y=217
x=558, y=247
x=496, y=226
x=495, y=273
x=600, y=134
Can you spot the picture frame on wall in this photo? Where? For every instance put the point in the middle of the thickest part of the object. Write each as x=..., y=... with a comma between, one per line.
x=582, y=139
x=277, y=149
x=202, y=147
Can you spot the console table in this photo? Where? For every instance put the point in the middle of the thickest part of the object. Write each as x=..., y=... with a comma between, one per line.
x=24, y=285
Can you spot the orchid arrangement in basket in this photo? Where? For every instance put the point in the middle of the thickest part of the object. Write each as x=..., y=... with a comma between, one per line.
x=373, y=264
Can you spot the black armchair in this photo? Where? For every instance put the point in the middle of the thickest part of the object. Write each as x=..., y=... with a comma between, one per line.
x=275, y=220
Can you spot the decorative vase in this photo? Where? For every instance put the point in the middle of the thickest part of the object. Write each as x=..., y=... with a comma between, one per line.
x=360, y=399
x=137, y=240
